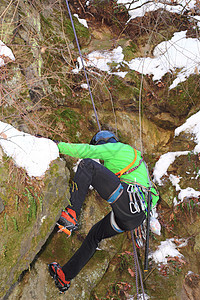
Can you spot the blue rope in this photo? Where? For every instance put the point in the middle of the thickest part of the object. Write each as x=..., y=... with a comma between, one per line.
x=79, y=50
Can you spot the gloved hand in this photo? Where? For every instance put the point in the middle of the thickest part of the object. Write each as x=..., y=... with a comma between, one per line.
x=39, y=136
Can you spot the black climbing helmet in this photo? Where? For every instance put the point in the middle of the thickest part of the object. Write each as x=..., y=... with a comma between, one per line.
x=103, y=137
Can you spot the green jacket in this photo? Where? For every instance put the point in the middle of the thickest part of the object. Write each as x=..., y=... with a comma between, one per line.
x=116, y=156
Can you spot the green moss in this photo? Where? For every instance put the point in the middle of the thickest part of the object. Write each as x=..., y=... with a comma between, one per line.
x=183, y=97
x=46, y=21
x=55, y=31
x=70, y=119
x=129, y=51
x=53, y=170
x=123, y=92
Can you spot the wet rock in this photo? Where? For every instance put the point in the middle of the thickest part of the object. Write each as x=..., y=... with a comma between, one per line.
x=191, y=287
x=165, y=120
x=197, y=244
x=1, y=205
x=39, y=285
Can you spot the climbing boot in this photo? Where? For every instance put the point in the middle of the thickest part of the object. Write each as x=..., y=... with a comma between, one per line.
x=67, y=221
x=58, y=275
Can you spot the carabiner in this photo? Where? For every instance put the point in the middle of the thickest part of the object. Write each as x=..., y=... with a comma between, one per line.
x=133, y=201
x=130, y=205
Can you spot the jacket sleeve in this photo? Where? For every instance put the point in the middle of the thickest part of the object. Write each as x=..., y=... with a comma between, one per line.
x=86, y=151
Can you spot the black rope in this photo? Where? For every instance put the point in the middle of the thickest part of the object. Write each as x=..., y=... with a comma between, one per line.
x=147, y=233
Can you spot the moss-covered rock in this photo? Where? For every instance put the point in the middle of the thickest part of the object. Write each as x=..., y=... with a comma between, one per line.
x=31, y=210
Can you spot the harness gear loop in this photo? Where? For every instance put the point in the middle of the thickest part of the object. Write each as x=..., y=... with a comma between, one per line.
x=120, y=173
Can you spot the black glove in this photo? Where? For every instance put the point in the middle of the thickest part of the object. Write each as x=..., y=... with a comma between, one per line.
x=57, y=142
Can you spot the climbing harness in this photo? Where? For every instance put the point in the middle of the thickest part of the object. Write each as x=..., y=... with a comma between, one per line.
x=116, y=194
x=134, y=168
x=120, y=173
x=127, y=169
x=114, y=224
x=141, y=187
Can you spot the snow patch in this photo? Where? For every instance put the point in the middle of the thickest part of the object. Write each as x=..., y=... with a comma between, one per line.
x=5, y=52
x=102, y=59
x=178, y=53
x=192, y=125
x=163, y=164
x=140, y=7
x=81, y=21
x=42, y=219
x=28, y=152
x=167, y=249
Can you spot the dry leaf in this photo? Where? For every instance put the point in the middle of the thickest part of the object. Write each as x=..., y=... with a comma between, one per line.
x=171, y=217
x=131, y=272
x=3, y=135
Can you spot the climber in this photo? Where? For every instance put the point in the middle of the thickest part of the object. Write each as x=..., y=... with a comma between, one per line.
x=122, y=181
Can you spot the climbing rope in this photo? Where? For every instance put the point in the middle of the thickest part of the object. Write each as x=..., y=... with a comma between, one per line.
x=136, y=261
x=81, y=57
x=137, y=269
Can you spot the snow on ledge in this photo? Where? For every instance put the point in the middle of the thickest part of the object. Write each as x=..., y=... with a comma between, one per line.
x=192, y=125
x=28, y=152
x=5, y=52
x=163, y=164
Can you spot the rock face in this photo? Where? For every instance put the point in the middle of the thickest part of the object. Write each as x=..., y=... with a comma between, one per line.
x=37, y=282
x=1, y=205
x=28, y=218
x=41, y=95
x=191, y=286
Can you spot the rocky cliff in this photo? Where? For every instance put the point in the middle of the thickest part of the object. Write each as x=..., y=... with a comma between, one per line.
x=42, y=92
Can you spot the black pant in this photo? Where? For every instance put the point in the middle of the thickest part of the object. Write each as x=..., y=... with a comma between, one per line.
x=104, y=182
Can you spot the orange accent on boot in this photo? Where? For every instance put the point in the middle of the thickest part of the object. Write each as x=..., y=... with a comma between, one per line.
x=72, y=212
x=66, y=215
x=61, y=276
